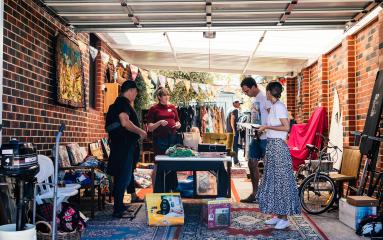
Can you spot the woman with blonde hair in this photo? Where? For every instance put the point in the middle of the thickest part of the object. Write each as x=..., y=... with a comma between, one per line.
x=163, y=122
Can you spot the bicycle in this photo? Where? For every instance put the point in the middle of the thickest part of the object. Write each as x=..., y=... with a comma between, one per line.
x=318, y=191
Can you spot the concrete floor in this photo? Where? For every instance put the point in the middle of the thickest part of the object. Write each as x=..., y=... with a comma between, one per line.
x=328, y=222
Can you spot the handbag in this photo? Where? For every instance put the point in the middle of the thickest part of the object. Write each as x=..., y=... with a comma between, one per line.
x=191, y=139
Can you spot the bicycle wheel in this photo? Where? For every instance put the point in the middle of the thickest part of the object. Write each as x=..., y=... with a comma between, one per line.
x=317, y=193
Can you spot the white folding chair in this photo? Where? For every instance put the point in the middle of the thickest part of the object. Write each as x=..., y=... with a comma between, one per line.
x=45, y=183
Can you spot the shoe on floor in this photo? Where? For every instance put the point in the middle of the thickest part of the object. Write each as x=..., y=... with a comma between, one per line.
x=249, y=199
x=282, y=224
x=272, y=221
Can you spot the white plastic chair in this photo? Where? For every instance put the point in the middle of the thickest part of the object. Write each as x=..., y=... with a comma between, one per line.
x=45, y=184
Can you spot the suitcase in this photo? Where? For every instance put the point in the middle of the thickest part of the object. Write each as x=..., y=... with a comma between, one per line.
x=362, y=201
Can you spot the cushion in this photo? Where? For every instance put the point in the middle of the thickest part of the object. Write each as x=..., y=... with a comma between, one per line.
x=64, y=160
x=105, y=146
x=96, y=150
x=76, y=156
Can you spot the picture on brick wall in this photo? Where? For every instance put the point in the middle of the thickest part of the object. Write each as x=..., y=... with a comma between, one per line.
x=70, y=79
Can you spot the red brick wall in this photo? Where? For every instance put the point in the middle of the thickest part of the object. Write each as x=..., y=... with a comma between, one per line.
x=290, y=94
x=351, y=69
x=29, y=110
x=314, y=87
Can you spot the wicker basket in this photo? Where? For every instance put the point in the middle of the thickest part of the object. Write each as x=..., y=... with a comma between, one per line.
x=60, y=235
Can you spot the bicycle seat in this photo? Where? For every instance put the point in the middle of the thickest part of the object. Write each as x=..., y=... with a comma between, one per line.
x=312, y=147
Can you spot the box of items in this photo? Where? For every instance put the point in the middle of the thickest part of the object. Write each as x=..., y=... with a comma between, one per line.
x=352, y=215
x=164, y=209
x=216, y=213
x=363, y=201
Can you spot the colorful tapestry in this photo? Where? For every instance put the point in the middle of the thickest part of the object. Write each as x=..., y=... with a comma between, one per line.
x=70, y=78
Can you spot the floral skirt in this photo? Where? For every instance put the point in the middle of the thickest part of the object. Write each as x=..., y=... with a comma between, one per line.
x=278, y=193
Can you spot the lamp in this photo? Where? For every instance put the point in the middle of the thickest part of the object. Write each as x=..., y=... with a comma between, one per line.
x=209, y=34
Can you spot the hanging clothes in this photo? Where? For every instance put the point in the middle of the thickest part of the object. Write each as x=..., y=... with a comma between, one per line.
x=203, y=119
x=209, y=123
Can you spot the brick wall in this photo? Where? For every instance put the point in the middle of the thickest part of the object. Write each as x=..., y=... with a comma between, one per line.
x=290, y=94
x=349, y=68
x=29, y=109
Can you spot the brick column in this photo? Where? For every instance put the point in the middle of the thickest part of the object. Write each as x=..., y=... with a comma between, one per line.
x=291, y=95
x=324, y=82
x=349, y=102
x=305, y=92
x=100, y=74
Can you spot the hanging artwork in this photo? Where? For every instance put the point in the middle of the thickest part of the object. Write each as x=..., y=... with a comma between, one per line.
x=134, y=70
x=70, y=79
x=109, y=73
x=93, y=52
x=122, y=73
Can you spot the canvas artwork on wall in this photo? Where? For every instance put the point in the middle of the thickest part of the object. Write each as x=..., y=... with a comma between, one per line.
x=70, y=78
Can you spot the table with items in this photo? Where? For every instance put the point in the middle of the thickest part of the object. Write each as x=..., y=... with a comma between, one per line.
x=165, y=164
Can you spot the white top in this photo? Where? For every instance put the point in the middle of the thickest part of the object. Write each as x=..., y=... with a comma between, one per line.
x=159, y=158
x=261, y=104
x=278, y=110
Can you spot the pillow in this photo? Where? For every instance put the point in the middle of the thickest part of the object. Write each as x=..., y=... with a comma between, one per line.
x=105, y=146
x=75, y=154
x=64, y=160
x=96, y=150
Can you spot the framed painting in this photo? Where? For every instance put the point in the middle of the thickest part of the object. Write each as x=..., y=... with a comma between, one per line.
x=70, y=77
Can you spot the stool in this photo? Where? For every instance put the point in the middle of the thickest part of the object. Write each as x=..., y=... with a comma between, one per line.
x=147, y=156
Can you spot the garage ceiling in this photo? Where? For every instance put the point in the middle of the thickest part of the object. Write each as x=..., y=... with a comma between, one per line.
x=269, y=37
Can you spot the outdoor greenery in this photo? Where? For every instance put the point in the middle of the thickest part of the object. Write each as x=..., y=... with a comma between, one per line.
x=143, y=100
x=179, y=93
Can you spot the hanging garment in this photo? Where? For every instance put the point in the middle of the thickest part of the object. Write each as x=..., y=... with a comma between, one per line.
x=203, y=119
x=302, y=134
x=209, y=123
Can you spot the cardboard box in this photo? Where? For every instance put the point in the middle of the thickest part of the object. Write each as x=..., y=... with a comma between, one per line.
x=164, y=209
x=217, y=213
x=352, y=215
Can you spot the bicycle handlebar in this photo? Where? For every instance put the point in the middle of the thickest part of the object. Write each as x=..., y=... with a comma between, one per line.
x=328, y=142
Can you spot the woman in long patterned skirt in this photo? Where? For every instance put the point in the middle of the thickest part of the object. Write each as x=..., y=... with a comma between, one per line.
x=278, y=194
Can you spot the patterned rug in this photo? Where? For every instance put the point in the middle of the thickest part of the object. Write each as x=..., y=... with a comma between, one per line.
x=247, y=223
x=104, y=226
x=238, y=173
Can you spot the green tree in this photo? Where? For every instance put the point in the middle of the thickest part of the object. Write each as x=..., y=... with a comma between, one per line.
x=143, y=98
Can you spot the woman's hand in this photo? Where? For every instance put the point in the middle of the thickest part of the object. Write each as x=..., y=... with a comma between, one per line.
x=163, y=123
x=262, y=128
x=178, y=125
x=143, y=134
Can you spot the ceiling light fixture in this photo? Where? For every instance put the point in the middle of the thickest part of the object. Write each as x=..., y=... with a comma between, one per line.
x=209, y=34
